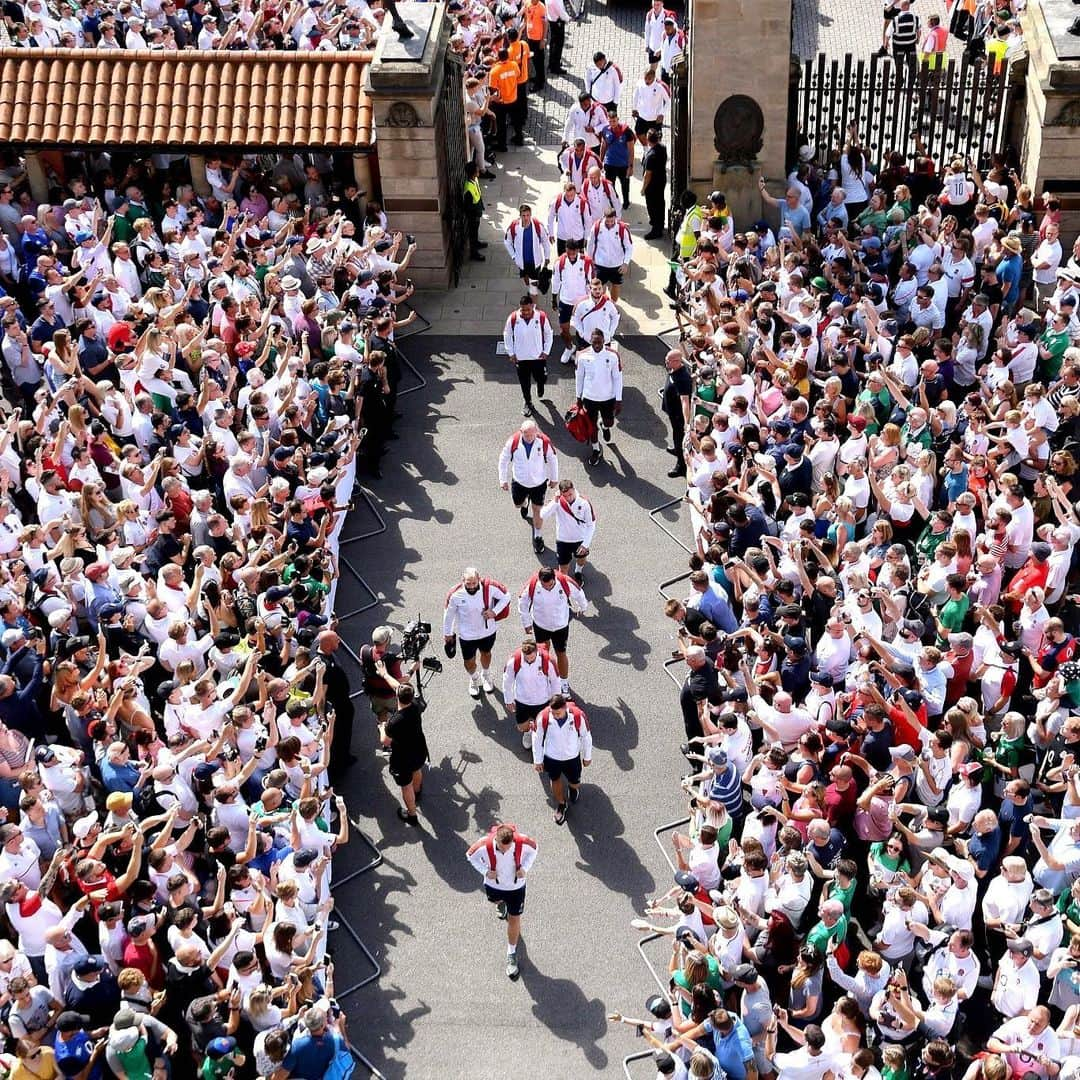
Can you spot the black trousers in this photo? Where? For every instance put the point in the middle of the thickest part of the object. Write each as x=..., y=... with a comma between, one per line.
x=622, y=174
x=655, y=204
x=474, y=232
x=502, y=119
x=558, y=42
x=519, y=112
x=678, y=431
x=528, y=372
x=539, y=70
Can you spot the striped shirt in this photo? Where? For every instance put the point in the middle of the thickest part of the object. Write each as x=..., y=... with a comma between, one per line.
x=726, y=788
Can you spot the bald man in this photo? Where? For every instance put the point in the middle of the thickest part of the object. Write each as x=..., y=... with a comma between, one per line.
x=337, y=697
x=677, y=393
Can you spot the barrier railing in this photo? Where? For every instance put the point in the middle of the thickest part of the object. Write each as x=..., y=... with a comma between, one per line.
x=641, y=1055
x=663, y=528
x=668, y=828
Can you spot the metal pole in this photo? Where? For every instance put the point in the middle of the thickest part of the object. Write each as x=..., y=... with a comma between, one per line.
x=668, y=665
x=642, y=942
x=641, y=1055
x=374, y=602
x=671, y=581
x=369, y=865
x=660, y=509
x=380, y=528
x=668, y=828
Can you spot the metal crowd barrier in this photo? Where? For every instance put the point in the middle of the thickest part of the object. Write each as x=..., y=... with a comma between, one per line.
x=671, y=826
x=641, y=1055
x=663, y=528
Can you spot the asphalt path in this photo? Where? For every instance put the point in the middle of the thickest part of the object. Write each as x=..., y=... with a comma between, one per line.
x=443, y=1006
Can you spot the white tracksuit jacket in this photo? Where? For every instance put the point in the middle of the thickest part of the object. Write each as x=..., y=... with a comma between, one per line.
x=570, y=280
x=463, y=612
x=513, y=241
x=590, y=315
x=528, y=340
x=599, y=375
x=562, y=741
x=567, y=218
x=540, y=465
x=550, y=608
x=531, y=684
x=610, y=246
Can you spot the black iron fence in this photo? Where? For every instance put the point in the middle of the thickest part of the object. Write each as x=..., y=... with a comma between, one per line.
x=958, y=109
x=452, y=157
x=679, y=162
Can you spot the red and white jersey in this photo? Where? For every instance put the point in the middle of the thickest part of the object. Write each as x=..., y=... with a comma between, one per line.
x=528, y=339
x=562, y=739
x=570, y=280
x=464, y=610
x=567, y=218
x=530, y=683
x=577, y=168
x=530, y=464
x=575, y=522
x=590, y=315
x=654, y=26
x=600, y=198
x=611, y=246
x=550, y=608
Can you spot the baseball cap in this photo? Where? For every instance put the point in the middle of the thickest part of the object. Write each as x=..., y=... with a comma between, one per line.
x=716, y=755
x=305, y=857
x=277, y=592
x=71, y=1021
x=961, y=641
x=822, y=678
x=903, y=752
x=1020, y=945
x=686, y=881
x=1041, y=551
x=795, y=643
x=745, y=973
x=139, y=924
x=44, y=755
x=89, y=964
x=206, y=770
x=81, y=828
x=119, y=802
x=223, y=1045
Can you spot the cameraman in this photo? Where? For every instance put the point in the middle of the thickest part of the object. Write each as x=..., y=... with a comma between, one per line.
x=383, y=673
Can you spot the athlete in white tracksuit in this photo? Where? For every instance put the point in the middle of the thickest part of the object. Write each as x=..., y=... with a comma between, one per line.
x=545, y=605
x=561, y=745
x=528, y=466
x=599, y=387
x=529, y=681
x=570, y=279
x=470, y=618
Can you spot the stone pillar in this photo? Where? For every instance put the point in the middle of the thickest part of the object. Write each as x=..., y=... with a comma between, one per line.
x=197, y=165
x=404, y=81
x=361, y=165
x=738, y=47
x=37, y=177
x=1050, y=146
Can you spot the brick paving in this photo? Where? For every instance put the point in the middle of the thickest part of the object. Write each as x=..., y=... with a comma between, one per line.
x=836, y=27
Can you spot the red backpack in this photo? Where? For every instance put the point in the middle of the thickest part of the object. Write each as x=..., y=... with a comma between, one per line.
x=520, y=840
x=515, y=442
x=576, y=714
x=541, y=651
x=485, y=593
x=562, y=579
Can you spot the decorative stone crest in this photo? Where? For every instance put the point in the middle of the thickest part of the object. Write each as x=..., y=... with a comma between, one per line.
x=1069, y=115
x=738, y=127
x=402, y=114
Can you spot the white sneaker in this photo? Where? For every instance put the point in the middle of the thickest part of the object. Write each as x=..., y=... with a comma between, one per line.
x=564, y=688
x=567, y=356
x=474, y=688
x=486, y=684
x=526, y=739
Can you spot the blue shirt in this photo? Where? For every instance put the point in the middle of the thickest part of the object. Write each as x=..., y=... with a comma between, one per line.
x=984, y=848
x=527, y=246
x=310, y=1056
x=1008, y=274
x=715, y=607
x=797, y=220
x=1013, y=824
x=119, y=777
x=617, y=147
x=733, y=1051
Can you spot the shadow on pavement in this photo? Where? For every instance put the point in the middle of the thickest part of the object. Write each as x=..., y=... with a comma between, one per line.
x=565, y=1011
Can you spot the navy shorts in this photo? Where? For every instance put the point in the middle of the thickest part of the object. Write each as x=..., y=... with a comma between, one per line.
x=643, y=127
x=570, y=769
x=566, y=313
x=470, y=648
x=609, y=275
x=514, y=899
x=519, y=493
x=558, y=638
x=565, y=551
x=526, y=714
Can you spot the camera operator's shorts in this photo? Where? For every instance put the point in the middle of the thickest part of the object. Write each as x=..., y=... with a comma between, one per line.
x=519, y=493
x=556, y=637
x=609, y=275
x=381, y=703
x=514, y=899
x=526, y=714
x=470, y=648
x=571, y=769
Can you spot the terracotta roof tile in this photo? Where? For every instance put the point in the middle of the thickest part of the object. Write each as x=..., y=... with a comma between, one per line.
x=190, y=99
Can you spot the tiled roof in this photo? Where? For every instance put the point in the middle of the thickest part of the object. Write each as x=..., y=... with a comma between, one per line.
x=80, y=97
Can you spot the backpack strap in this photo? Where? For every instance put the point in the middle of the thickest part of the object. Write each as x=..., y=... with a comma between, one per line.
x=513, y=320
x=515, y=442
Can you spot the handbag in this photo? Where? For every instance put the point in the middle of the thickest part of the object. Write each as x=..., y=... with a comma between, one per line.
x=543, y=278
x=580, y=424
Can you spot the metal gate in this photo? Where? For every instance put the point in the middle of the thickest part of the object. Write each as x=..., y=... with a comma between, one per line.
x=452, y=156
x=958, y=110
x=679, y=162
